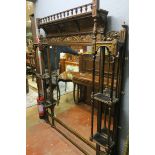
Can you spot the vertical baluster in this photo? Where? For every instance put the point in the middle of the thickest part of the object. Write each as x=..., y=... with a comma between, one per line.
x=86, y=8
x=109, y=123
x=105, y=117
x=54, y=17
x=112, y=79
x=108, y=77
x=67, y=13
x=102, y=68
x=81, y=9
x=64, y=14
x=72, y=12
x=114, y=130
x=91, y=6
x=93, y=90
x=57, y=16
x=60, y=15
x=76, y=11
x=99, y=68
x=99, y=117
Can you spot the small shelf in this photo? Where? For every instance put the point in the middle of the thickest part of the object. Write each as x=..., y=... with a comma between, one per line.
x=48, y=103
x=104, y=98
x=102, y=138
x=43, y=77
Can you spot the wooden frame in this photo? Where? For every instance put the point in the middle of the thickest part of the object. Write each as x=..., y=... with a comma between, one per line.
x=83, y=25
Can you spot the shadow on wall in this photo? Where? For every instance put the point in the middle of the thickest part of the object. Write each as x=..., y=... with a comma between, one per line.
x=114, y=24
x=109, y=21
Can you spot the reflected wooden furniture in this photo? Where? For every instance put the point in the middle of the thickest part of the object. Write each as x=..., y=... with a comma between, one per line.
x=30, y=59
x=67, y=77
x=71, y=63
x=30, y=64
x=86, y=63
x=62, y=65
x=84, y=79
x=84, y=84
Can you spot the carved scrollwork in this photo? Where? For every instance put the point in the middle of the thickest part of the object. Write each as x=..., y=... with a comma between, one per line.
x=112, y=35
x=69, y=39
x=120, y=36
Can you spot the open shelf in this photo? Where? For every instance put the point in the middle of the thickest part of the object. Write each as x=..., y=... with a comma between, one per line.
x=44, y=76
x=104, y=98
x=49, y=104
x=102, y=138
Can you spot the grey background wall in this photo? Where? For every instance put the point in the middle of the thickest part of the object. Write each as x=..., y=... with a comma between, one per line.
x=47, y=7
x=118, y=13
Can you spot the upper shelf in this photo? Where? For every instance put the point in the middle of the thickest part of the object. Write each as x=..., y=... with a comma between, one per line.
x=75, y=20
x=66, y=14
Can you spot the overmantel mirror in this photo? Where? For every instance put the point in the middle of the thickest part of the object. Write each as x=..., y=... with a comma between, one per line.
x=68, y=60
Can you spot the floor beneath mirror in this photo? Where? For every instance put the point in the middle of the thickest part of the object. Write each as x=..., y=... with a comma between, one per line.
x=42, y=139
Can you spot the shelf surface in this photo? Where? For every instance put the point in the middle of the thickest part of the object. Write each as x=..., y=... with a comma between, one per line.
x=102, y=138
x=104, y=98
x=48, y=103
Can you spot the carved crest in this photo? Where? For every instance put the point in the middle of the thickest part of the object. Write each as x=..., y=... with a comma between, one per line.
x=112, y=35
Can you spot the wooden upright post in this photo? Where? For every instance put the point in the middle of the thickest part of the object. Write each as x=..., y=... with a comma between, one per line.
x=95, y=7
x=33, y=28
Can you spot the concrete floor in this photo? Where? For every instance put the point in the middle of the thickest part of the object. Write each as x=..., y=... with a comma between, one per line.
x=42, y=139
